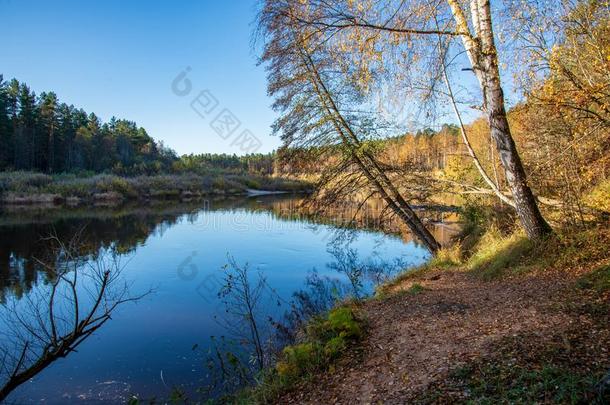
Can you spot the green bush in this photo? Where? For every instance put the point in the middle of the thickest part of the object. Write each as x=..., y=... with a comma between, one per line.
x=326, y=338
x=334, y=347
x=343, y=322
x=298, y=359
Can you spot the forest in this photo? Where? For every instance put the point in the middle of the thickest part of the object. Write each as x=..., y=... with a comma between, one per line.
x=41, y=134
x=471, y=136
x=38, y=133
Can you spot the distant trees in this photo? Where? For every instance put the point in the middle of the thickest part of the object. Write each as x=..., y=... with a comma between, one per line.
x=39, y=133
x=255, y=163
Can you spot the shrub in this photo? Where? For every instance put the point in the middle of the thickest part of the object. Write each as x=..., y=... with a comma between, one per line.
x=326, y=338
x=123, y=187
x=342, y=322
x=252, y=183
x=298, y=359
x=23, y=181
x=334, y=347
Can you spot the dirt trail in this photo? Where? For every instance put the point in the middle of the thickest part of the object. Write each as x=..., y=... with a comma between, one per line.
x=415, y=339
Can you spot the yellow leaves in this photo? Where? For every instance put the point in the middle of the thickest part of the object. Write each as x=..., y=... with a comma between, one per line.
x=579, y=71
x=599, y=197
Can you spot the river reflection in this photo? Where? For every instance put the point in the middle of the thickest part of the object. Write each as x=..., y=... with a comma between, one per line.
x=179, y=250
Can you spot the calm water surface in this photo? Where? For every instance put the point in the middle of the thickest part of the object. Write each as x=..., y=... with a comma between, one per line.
x=178, y=250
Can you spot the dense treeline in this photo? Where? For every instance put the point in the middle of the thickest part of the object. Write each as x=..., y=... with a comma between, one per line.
x=426, y=150
x=256, y=163
x=39, y=133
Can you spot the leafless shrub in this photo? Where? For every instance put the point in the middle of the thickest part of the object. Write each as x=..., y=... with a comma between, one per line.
x=52, y=320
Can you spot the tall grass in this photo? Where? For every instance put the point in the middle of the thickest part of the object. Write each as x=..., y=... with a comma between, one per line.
x=21, y=185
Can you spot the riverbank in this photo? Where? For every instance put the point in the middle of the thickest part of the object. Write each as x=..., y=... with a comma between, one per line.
x=511, y=322
x=28, y=188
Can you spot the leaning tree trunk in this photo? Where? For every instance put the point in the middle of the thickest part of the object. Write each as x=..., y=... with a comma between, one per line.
x=367, y=162
x=525, y=203
x=481, y=50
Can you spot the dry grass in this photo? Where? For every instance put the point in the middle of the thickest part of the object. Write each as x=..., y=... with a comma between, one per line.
x=28, y=187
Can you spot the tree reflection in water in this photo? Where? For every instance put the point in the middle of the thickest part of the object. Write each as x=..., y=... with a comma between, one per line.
x=255, y=339
x=53, y=319
x=321, y=293
x=26, y=284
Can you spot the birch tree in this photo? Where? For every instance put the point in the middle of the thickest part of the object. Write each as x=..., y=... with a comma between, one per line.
x=319, y=109
x=480, y=46
x=372, y=36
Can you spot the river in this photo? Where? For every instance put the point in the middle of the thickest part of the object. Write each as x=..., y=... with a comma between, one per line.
x=173, y=258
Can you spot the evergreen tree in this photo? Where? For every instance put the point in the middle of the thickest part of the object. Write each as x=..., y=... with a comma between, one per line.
x=48, y=112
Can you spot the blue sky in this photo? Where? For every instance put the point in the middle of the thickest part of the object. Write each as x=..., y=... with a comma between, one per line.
x=120, y=57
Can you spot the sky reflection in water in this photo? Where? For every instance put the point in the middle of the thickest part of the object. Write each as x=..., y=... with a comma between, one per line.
x=147, y=347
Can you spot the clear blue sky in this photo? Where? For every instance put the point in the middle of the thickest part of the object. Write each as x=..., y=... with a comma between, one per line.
x=120, y=57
